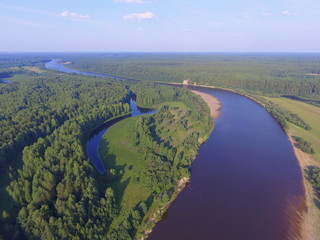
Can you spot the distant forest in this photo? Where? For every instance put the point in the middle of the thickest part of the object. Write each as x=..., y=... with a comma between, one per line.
x=285, y=74
x=273, y=74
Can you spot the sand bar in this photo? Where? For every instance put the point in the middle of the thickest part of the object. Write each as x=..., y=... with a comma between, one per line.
x=213, y=103
x=311, y=217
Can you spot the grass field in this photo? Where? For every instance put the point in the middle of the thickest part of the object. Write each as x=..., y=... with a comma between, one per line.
x=118, y=152
x=310, y=114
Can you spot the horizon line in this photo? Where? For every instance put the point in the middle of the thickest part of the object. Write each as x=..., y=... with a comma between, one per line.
x=165, y=52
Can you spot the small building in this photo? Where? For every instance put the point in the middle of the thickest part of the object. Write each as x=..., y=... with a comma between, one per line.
x=185, y=82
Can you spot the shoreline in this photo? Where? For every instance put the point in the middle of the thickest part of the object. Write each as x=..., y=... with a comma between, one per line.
x=213, y=103
x=215, y=110
x=310, y=217
x=157, y=216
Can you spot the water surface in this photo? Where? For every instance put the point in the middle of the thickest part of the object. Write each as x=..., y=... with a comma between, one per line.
x=55, y=64
x=245, y=184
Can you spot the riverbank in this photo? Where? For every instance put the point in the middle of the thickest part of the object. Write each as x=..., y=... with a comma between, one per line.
x=213, y=103
x=157, y=216
x=310, y=114
x=215, y=109
x=310, y=218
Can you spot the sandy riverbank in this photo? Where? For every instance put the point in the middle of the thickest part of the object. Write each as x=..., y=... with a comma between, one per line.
x=213, y=103
x=310, y=225
x=310, y=219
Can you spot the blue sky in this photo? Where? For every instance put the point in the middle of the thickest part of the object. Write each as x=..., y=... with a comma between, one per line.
x=160, y=25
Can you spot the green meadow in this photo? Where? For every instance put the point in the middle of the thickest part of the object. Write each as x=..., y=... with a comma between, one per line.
x=310, y=114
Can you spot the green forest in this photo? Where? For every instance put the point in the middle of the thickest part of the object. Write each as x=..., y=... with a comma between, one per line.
x=282, y=74
x=48, y=187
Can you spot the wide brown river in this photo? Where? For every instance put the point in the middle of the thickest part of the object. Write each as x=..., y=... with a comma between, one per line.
x=245, y=182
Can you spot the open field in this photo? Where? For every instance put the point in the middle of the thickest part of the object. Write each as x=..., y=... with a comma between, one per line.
x=34, y=69
x=310, y=114
x=118, y=152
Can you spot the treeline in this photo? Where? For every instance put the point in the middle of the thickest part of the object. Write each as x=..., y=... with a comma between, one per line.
x=278, y=73
x=301, y=99
x=34, y=107
x=7, y=73
x=47, y=119
x=303, y=145
x=168, y=141
x=281, y=115
x=313, y=174
x=56, y=190
x=19, y=60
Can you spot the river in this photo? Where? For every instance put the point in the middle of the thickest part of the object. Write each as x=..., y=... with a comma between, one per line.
x=245, y=183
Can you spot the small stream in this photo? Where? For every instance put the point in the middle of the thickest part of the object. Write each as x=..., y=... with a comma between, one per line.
x=97, y=134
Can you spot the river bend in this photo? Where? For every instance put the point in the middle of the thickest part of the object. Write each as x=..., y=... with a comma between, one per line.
x=245, y=183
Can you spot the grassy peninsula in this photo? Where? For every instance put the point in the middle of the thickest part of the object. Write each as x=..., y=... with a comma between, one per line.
x=148, y=157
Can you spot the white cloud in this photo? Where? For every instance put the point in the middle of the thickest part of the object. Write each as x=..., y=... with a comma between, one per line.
x=131, y=1
x=289, y=14
x=140, y=16
x=74, y=15
x=266, y=14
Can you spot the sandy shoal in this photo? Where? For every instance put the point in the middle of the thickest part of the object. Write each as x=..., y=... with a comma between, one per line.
x=213, y=103
x=310, y=225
